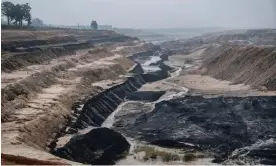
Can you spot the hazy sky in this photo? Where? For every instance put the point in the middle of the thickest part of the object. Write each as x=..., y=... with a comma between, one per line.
x=157, y=13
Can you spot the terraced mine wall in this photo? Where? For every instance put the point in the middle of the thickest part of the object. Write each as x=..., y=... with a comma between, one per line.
x=12, y=62
x=12, y=45
x=39, y=54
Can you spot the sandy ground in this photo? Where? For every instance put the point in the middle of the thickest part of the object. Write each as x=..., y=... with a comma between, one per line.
x=210, y=86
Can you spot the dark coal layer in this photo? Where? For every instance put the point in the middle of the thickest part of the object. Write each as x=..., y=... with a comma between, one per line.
x=214, y=125
x=98, y=108
x=155, y=76
x=149, y=96
x=106, y=147
x=95, y=147
x=138, y=69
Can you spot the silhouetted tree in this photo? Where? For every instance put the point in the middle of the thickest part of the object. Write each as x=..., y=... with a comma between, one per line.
x=94, y=25
x=6, y=8
x=26, y=10
x=18, y=13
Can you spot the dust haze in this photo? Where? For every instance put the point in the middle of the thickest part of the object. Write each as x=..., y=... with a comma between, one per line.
x=157, y=13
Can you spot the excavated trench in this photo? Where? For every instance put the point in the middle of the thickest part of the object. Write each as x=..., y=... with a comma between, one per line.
x=228, y=130
x=93, y=113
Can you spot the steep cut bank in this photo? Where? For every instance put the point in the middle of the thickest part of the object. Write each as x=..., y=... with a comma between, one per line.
x=253, y=65
x=94, y=112
x=98, y=108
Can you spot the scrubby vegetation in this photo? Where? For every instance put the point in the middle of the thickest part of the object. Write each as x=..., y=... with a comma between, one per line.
x=189, y=157
x=151, y=154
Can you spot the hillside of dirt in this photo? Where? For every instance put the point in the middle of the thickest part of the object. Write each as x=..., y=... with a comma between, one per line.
x=44, y=75
x=253, y=65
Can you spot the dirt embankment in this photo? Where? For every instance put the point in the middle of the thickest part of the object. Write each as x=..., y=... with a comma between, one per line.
x=253, y=65
x=46, y=34
x=38, y=96
x=33, y=40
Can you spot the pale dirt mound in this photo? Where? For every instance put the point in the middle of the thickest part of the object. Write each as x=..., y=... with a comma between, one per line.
x=253, y=65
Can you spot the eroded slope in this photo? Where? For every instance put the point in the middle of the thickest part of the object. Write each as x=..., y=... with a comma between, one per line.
x=253, y=65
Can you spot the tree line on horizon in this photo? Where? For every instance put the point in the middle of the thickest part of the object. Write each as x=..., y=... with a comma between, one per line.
x=16, y=13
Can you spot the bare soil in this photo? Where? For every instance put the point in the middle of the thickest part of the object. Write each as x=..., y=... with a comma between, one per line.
x=252, y=65
x=37, y=99
x=189, y=77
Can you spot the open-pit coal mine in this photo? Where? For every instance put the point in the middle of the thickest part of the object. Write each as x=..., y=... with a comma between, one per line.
x=226, y=129
x=112, y=99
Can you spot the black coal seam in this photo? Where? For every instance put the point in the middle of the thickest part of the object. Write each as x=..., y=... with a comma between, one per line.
x=106, y=102
x=102, y=108
x=80, y=121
